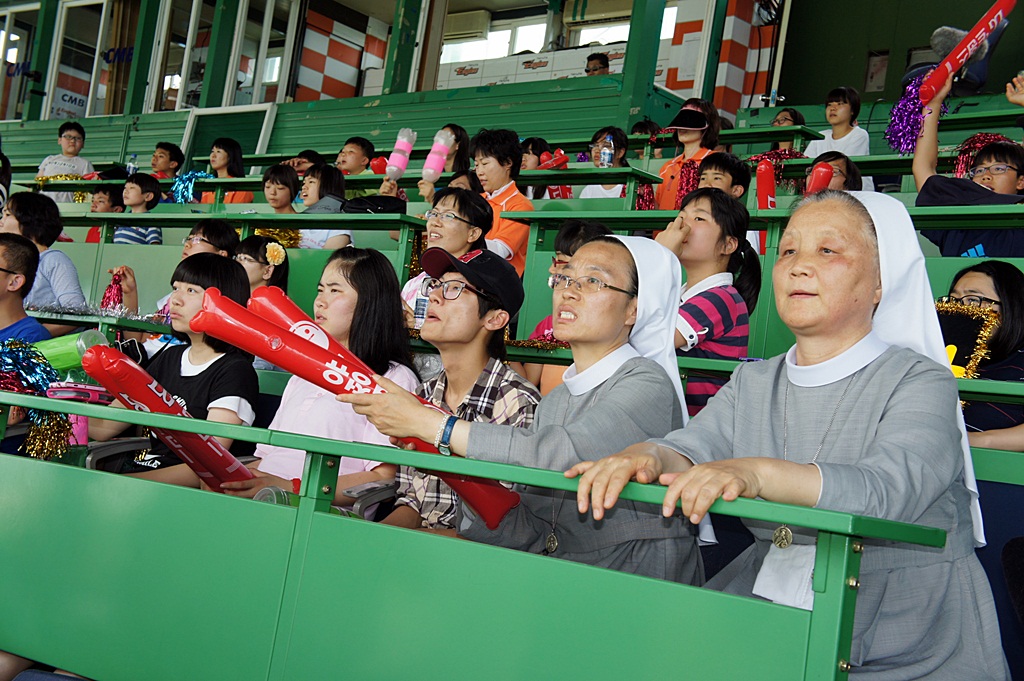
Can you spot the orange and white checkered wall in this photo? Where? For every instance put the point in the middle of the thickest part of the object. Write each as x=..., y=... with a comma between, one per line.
x=334, y=52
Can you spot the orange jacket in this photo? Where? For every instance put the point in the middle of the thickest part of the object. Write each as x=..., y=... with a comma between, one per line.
x=509, y=232
x=665, y=194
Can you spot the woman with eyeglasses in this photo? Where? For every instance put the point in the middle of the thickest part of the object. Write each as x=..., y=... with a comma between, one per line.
x=265, y=261
x=845, y=173
x=998, y=286
x=785, y=117
x=615, y=305
x=458, y=223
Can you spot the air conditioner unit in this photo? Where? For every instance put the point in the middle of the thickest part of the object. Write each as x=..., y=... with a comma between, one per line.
x=467, y=26
x=579, y=12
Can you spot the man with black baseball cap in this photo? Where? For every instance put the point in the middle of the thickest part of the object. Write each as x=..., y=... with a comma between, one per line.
x=471, y=301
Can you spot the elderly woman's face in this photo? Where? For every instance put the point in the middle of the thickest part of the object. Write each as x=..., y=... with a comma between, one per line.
x=827, y=280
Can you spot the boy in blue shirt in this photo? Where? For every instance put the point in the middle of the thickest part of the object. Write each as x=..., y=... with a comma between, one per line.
x=19, y=259
x=141, y=194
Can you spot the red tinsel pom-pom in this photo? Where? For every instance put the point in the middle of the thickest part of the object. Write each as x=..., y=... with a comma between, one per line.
x=971, y=146
x=645, y=197
x=689, y=178
x=778, y=157
x=113, y=297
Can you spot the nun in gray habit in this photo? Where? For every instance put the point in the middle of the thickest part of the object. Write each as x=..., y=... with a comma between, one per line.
x=861, y=416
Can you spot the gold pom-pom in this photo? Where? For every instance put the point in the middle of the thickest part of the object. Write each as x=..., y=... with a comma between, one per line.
x=289, y=238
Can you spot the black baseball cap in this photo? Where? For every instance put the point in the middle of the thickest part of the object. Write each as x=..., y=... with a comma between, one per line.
x=484, y=269
x=688, y=119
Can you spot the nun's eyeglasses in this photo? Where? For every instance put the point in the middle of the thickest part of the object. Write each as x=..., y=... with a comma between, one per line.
x=973, y=301
x=584, y=284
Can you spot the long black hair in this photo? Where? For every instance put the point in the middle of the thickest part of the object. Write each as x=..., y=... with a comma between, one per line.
x=378, y=335
x=536, y=146
x=234, y=151
x=460, y=162
x=734, y=220
x=332, y=182
x=208, y=270
x=1008, y=281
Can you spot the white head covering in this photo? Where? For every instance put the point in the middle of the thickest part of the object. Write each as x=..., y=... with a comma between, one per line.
x=906, y=314
x=653, y=336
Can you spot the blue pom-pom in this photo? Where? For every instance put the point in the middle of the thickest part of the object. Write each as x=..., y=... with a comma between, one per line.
x=182, y=189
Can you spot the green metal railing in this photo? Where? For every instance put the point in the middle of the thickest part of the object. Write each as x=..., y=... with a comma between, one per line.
x=215, y=587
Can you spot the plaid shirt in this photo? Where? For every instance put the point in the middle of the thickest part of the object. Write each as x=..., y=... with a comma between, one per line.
x=500, y=396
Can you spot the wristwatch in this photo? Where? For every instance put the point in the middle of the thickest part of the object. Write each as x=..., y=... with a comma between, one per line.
x=444, y=446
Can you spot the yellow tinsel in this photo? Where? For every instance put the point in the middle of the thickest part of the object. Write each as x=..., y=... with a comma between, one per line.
x=80, y=197
x=289, y=238
x=991, y=318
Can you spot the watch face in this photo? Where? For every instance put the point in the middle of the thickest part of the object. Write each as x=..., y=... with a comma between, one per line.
x=445, y=450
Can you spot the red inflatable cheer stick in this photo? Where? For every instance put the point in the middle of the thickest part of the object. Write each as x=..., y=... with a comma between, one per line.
x=338, y=373
x=820, y=176
x=956, y=59
x=137, y=390
x=548, y=162
x=274, y=305
x=766, y=184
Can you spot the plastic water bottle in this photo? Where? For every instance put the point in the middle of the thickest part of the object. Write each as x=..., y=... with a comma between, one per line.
x=132, y=166
x=607, y=153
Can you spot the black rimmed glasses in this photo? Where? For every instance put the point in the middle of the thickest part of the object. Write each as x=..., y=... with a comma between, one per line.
x=972, y=300
x=994, y=169
x=782, y=120
x=195, y=240
x=446, y=217
x=451, y=289
x=4, y=269
x=835, y=171
x=584, y=284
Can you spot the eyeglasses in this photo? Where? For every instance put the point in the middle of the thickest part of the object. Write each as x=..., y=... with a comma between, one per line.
x=994, y=169
x=555, y=262
x=584, y=284
x=243, y=259
x=835, y=171
x=782, y=121
x=72, y=138
x=599, y=146
x=594, y=70
x=4, y=269
x=195, y=240
x=451, y=289
x=447, y=217
x=972, y=300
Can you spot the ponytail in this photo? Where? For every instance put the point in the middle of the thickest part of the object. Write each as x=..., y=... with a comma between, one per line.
x=745, y=266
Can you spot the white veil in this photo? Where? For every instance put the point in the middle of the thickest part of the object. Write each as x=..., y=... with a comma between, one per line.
x=906, y=314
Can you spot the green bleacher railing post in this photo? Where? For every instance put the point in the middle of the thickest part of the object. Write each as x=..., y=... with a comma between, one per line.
x=41, y=56
x=836, y=570
x=714, y=50
x=218, y=62
x=402, y=46
x=404, y=257
x=138, y=76
x=641, y=59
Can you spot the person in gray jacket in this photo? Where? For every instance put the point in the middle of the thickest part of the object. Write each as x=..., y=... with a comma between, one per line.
x=860, y=416
x=615, y=303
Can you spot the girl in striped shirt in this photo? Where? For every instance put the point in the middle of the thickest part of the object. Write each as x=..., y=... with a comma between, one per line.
x=723, y=279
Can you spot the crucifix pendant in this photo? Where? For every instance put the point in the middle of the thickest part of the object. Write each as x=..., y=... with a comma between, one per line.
x=551, y=544
x=782, y=537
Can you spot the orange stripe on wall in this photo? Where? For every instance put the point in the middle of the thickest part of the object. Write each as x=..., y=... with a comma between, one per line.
x=684, y=27
x=320, y=21
x=344, y=53
x=305, y=94
x=376, y=46
x=735, y=53
x=313, y=60
x=727, y=99
x=672, y=81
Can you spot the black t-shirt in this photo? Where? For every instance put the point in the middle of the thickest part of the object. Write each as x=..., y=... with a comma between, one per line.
x=980, y=416
x=939, y=190
x=230, y=375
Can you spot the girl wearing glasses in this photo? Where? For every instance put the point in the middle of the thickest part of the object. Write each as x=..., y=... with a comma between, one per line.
x=998, y=286
x=458, y=223
x=845, y=173
x=265, y=261
x=357, y=304
x=615, y=305
x=786, y=117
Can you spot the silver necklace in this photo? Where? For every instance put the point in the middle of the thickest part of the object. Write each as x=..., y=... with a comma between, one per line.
x=783, y=536
x=551, y=543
